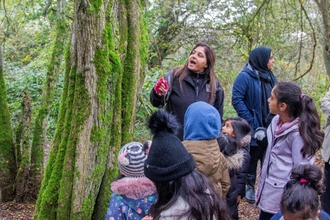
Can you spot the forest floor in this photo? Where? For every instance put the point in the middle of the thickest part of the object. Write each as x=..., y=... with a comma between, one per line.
x=16, y=211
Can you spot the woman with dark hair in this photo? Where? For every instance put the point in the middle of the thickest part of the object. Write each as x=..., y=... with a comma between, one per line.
x=184, y=85
x=300, y=198
x=294, y=136
x=183, y=192
x=250, y=92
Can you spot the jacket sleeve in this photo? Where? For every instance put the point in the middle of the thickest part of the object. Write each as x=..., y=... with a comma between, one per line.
x=239, y=92
x=156, y=100
x=114, y=207
x=325, y=103
x=225, y=180
x=242, y=172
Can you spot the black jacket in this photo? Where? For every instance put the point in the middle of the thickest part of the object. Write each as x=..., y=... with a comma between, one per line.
x=195, y=87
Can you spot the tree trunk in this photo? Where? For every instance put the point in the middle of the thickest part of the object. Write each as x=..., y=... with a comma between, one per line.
x=8, y=166
x=82, y=162
x=23, y=193
x=323, y=6
x=40, y=127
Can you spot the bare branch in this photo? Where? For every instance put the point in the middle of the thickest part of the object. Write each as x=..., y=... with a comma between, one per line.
x=48, y=4
x=314, y=42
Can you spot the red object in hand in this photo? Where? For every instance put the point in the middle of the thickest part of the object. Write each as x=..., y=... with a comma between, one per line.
x=161, y=86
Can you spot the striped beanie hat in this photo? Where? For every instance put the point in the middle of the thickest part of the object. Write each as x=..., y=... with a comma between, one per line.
x=131, y=158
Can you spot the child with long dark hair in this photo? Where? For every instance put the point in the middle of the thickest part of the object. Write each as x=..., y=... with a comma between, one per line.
x=183, y=192
x=300, y=199
x=234, y=144
x=294, y=136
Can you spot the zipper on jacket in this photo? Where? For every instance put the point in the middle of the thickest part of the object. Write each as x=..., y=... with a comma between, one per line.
x=197, y=84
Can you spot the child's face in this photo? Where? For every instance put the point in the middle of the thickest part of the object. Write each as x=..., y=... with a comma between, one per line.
x=272, y=103
x=228, y=129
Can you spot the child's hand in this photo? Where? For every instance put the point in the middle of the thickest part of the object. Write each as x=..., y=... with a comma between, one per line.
x=161, y=87
x=148, y=217
x=238, y=199
x=260, y=133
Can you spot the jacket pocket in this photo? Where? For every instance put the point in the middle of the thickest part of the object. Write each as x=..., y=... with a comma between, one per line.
x=271, y=194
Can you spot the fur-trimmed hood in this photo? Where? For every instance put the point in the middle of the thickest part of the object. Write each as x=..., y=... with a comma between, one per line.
x=133, y=187
x=246, y=140
x=235, y=161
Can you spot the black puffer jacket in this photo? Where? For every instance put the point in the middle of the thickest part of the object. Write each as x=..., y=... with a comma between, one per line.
x=195, y=87
x=243, y=171
x=234, y=163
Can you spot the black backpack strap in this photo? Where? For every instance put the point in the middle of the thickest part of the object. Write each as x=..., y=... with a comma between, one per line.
x=169, y=79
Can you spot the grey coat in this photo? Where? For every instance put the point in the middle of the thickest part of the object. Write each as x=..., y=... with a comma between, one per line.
x=325, y=105
x=283, y=154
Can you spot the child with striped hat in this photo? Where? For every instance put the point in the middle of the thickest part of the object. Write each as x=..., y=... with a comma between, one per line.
x=133, y=193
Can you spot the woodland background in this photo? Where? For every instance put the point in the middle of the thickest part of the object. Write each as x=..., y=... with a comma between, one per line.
x=75, y=78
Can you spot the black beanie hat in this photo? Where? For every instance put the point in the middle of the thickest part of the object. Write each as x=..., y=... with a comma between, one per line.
x=168, y=159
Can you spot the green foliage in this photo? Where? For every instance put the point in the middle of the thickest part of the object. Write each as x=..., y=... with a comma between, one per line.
x=29, y=79
x=144, y=108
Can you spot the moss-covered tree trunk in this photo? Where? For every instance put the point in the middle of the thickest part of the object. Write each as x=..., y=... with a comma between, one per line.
x=8, y=166
x=40, y=126
x=89, y=132
x=24, y=146
x=323, y=6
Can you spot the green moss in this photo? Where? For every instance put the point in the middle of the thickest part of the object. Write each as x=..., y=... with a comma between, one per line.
x=53, y=156
x=7, y=155
x=81, y=110
x=95, y=6
x=49, y=202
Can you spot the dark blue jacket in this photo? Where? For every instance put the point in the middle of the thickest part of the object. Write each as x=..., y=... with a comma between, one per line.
x=322, y=216
x=246, y=98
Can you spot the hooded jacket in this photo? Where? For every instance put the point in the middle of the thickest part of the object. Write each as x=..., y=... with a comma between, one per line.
x=243, y=171
x=234, y=163
x=131, y=198
x=201, y=128
x=325, y=106
x=282, y=155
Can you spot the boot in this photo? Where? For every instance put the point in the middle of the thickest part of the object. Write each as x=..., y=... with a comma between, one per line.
x=249, y=193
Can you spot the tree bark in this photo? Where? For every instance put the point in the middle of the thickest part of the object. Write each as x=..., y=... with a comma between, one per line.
x=82, y=165
x=40, y=127
x=323, y=6
x=23, y=193
x=8, y=166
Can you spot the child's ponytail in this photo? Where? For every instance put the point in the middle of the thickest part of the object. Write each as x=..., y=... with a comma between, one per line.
x=302, y=106
x=309, y=127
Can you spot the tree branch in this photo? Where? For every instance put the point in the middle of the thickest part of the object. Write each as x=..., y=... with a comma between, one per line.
x=48, y=4
x=314, y=42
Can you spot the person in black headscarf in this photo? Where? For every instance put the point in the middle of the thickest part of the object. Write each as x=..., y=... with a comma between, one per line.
x=251, y=89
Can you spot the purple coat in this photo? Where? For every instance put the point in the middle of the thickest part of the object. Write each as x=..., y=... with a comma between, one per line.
x=283, y=154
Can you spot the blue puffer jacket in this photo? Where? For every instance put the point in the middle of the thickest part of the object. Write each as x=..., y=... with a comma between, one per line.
x=246, y=98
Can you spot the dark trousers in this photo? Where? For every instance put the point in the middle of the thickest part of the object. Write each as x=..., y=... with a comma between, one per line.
x=265, y=215
x=256, y=153
x=325, y=197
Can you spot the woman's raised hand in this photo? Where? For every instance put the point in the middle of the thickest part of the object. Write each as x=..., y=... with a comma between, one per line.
x=161, y=87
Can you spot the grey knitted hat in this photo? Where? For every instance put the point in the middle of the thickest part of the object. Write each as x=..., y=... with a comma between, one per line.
x=131, y=159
